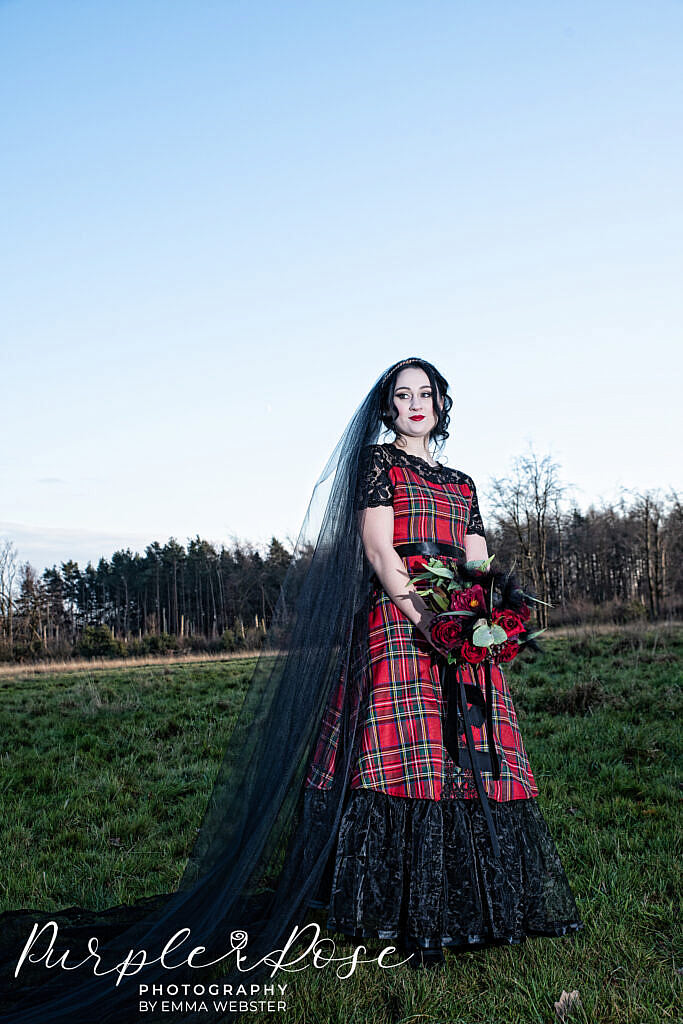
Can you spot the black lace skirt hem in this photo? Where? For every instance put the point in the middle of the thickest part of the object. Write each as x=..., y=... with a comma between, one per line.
x=472, y=942
x=422, y=873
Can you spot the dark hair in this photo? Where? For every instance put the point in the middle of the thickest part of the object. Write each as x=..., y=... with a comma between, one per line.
x=439, y=385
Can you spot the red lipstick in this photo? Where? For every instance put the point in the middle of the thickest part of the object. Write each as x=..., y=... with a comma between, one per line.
x=416, y=417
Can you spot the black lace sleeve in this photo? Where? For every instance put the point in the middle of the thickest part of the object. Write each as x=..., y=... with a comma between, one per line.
x=374, y=485
x=474, y=523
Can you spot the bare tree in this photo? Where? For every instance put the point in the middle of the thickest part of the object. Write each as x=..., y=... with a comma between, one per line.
x=528, y=499
x=649, y=512
x=672, y=550
x=8, y=573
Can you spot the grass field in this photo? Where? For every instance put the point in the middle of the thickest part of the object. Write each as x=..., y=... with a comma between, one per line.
x=106, y=771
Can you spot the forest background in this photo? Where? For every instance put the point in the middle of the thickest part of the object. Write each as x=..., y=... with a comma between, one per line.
x=616, y=564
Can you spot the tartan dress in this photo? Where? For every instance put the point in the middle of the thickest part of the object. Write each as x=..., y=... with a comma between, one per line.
x=401, y=751
x=413, y=860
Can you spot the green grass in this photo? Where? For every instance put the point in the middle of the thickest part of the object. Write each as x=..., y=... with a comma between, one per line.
x=105, y=774
x=114, y=766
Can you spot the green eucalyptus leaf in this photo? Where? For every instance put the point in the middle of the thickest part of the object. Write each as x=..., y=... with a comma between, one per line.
x=499, y=635
x=482, y=636
x=441, y=571
x=436, y=563
x=479, y=563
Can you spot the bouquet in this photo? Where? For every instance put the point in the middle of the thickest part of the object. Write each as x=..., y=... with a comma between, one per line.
x=482, y=613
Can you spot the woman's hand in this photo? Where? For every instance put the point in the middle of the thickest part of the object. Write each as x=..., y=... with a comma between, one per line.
x=424, y=626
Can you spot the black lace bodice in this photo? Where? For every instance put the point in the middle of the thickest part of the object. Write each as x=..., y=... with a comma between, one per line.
x=375, y=486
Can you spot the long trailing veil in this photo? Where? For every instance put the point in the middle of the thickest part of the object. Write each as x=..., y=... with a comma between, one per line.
x=266, y=838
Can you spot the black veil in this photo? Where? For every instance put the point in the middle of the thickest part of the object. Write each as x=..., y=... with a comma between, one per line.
x=265, y=841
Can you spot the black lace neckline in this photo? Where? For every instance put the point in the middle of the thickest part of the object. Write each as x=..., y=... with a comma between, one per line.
x=409, y=455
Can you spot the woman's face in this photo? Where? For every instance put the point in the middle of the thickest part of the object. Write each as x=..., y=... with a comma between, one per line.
x=413, y=399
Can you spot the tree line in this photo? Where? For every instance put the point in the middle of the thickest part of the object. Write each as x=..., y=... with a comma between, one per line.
x=620, y=562
x=616, y=563
x=198, y=596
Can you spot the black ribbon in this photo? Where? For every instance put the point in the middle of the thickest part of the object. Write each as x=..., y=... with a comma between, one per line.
x=428, y=547
x=455, y=693
x=422, y=547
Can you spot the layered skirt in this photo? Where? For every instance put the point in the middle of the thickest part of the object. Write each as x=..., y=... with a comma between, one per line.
x=422, y=872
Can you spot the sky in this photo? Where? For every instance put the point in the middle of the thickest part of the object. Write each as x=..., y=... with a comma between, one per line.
x=221, y=221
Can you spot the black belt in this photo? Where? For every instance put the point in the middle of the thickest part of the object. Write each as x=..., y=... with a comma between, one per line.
x=422, y=547
x=428, y=547
x=455, y=696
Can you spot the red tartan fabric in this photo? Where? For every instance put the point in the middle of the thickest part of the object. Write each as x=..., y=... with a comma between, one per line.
x=399, y=703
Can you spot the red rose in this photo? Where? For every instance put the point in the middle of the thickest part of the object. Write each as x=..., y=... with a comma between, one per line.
x=524, y=612
x=510, y=621
x=446, y=631
x=470, y=600
x=508, y=651
x=473, y=654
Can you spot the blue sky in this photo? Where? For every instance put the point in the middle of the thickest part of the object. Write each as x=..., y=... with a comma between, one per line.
x=222, y=221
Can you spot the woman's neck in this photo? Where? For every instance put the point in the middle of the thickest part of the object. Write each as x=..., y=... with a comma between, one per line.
x=414, y=446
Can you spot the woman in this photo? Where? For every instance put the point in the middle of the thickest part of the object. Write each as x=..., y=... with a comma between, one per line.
x=311, y=766
x=414, y=860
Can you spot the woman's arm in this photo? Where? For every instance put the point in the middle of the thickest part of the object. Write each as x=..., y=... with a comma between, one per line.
x=376, y=526
x=475, y=547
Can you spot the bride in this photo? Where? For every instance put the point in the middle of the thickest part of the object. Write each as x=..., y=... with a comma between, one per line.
x=414, y=860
